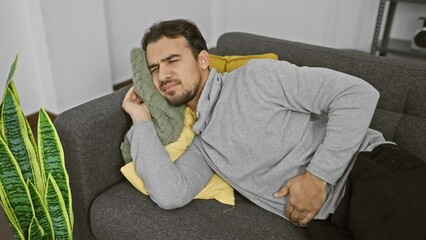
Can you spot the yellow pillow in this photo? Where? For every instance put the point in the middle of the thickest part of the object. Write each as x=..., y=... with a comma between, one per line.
x=216, y=187
x=230, y=63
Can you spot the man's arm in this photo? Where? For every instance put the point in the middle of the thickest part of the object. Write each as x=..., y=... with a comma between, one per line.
x=170, y=185
x=349, y=103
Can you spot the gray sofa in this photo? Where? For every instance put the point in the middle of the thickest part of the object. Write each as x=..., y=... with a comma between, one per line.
x=106, y=206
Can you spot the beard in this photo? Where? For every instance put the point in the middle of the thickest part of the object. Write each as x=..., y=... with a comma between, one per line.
x=178, y=99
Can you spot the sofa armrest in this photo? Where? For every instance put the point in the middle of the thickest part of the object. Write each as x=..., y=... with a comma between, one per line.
x=91, y=135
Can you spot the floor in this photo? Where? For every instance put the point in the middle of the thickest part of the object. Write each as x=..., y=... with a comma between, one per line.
x=5, y=231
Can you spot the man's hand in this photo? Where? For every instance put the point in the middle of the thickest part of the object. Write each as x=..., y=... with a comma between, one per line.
x=137, y=110
x=307, y=193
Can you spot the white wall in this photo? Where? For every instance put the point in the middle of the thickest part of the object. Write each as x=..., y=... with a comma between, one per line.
x=74, y=51
x=127, y=21
x=17, y=35
x=319, y=23
x=78, y=50
x=64, y=52
x=332, y=23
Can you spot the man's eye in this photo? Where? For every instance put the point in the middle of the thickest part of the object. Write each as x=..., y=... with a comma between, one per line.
x=153, y=70
x=173, y=60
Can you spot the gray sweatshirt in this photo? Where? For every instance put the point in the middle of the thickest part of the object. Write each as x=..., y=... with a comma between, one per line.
x=258, y=127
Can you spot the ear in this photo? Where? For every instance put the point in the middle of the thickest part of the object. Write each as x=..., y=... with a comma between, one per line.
x=204, y=59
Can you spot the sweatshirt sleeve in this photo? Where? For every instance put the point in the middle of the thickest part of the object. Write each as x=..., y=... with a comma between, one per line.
x=349, y=103
x=170, y=185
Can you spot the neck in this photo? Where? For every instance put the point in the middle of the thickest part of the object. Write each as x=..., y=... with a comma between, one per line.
x=194, y=102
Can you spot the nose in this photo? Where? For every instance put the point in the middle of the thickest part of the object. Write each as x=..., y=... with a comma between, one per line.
x=165, y=73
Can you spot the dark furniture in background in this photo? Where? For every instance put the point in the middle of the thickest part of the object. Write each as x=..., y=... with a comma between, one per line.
x=387, y=44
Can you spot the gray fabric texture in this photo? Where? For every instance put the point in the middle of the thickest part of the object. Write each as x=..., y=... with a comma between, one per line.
x=92, y=132
x=201, y=219
x=91, y=135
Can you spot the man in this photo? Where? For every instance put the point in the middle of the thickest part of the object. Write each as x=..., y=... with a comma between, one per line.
x=283, y=136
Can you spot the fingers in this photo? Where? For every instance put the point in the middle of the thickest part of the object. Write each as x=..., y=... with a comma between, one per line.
x=132, y=96
x=306, y=196
x=134, y=106
x=130, y=92
x=305, y=220
x=303, y=216
x=289, y=209
x=282, y=192
x=299, y=216
x=294, y=215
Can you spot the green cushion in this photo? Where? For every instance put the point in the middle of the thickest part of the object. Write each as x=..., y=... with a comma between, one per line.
x=168, y=119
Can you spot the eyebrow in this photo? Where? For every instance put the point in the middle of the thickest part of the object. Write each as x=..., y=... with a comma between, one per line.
x=171, y=56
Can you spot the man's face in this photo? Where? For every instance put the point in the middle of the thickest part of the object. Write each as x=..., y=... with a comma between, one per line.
x=175, y=71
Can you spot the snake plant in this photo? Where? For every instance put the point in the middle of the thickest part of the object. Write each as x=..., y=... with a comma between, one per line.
x=34, y=184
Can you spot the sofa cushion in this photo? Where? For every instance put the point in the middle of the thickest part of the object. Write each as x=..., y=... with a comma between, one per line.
x=122, y=212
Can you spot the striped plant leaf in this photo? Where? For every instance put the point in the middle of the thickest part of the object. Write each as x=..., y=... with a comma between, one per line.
x=30, y=135
x=13, y=68
x=37, y=176
x=14, y=187
x=15, y=229
x=10, y=215
x=36, y=231
x=39, y=180
x=57, y=210
x=41, y=212
x=52, y=156
x=35, y=162
x=12, y=71
x=11, y=85
x=6, y=205
x=32, y=149
x=13, y=125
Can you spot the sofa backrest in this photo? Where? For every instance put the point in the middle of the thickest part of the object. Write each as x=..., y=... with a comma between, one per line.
x=401, y=111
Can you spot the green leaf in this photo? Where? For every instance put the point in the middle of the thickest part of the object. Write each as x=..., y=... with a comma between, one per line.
x=57, y=210
x=14, y=130
x=41, y=212
x=6, y=206
x=9, y=83
x=35, y=232
x=52, y=156
x=10, y=215
x=13, y=68
x=11, y=86
x=31, y=136
x=14, y=187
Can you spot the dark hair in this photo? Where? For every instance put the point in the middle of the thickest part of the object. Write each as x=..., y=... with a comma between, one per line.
x=174, y=29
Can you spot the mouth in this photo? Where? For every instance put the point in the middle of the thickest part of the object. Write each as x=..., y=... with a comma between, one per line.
x=168, y=87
